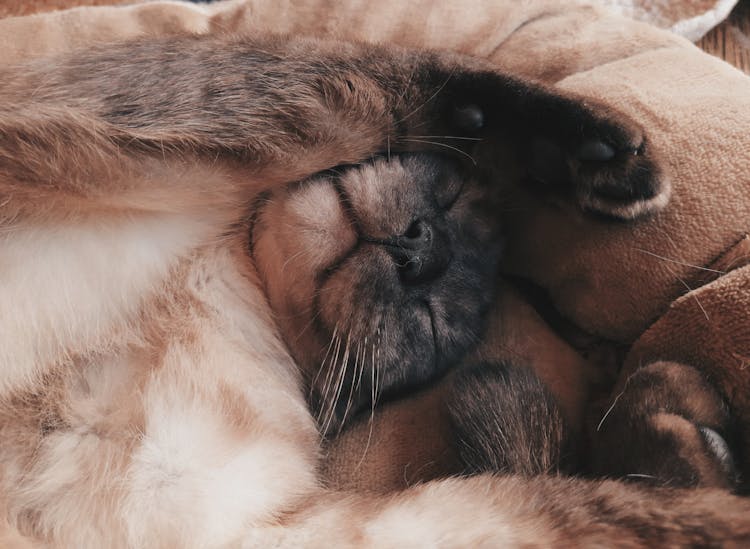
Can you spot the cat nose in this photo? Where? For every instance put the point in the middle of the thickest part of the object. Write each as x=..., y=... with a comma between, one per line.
x=422, y=252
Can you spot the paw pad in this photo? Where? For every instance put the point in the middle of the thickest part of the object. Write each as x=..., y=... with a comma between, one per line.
x=595, y=151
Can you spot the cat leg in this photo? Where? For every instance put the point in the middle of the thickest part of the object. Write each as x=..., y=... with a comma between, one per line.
x=513, y=511
x=196, y=465
x=572, y=147
x=185, y=440
x=507, y=423
x=117, y=163
x=165, y=143
x=669, y=426
x=104, y=124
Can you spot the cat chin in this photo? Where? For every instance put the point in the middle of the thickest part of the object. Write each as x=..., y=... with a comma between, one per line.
x=396, y=343
x=387, y=347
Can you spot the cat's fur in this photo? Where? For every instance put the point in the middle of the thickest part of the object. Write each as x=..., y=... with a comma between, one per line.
x=149, y=395
x=667, y=409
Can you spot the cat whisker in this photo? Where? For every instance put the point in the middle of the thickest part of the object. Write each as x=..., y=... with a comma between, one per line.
x=456, y=149
x=695, y=297
x=331, y=367
x=371, y=421
x=352, y=385
x=292, y=258
x=323, y=360
x=372, y=371
x=339, y=384
x=407, y=84
x=609, y=411
x=350, y=396
x=614, y=402
x=313, y=318
x=689, y=289
x=678, y=262
x=376, y=392
x=446, y=137
x=433, y=96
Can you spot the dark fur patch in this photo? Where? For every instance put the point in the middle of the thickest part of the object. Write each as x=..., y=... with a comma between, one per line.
x=506, y=421
x=669, y=427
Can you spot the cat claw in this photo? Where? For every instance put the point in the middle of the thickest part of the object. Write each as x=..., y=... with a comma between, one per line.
x=663, y=414
x=720, y=449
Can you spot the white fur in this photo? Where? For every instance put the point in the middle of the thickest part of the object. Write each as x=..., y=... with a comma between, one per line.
x=193, y=480
x=65, y=288
x=196, y=484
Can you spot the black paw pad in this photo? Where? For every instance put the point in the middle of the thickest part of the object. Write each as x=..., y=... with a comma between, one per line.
x=595, y=151
x=622, y=183
x=469, y=118
x=548, y=164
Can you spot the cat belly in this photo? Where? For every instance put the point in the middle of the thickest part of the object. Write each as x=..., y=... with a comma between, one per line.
x=191, y=438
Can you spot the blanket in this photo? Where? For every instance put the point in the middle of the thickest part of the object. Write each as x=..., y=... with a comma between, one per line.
x=688, y=18
x=56, y=32
x=641, y=286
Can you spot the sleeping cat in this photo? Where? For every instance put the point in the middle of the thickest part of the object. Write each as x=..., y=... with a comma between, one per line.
x=169, y=292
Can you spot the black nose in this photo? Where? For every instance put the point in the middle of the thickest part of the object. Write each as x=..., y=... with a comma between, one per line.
x=422, y=253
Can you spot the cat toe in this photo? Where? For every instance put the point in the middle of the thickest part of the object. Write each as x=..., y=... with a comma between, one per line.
x=600, y=158
x=621, y=183
x=468, y=118
x=668, y=427
x=595, y=150
x=611, y=181
x=615, y=170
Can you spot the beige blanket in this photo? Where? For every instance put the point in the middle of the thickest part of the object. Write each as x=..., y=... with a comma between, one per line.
x=20, y=39
x=689, y=18
x=613, y=281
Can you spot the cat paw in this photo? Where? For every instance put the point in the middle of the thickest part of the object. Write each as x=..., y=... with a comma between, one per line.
x=506, y=421
x=569, y=145
x=668, y=427
x=602, y=159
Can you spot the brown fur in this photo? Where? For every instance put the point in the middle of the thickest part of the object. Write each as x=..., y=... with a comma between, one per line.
x=188, y=369
x=667, y=409
x=506, y=421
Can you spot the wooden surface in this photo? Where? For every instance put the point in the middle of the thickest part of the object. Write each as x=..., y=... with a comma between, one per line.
x=731, y=39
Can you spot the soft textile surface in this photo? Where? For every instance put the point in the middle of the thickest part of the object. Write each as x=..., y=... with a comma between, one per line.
x=625, y=283
x=26, y=7
x=689, y=18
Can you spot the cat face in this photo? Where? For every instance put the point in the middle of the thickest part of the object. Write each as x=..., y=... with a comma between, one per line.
x=379, y=276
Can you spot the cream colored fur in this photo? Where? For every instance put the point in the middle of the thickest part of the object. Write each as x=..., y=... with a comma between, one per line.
x=190, y=428
x=185, y=422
